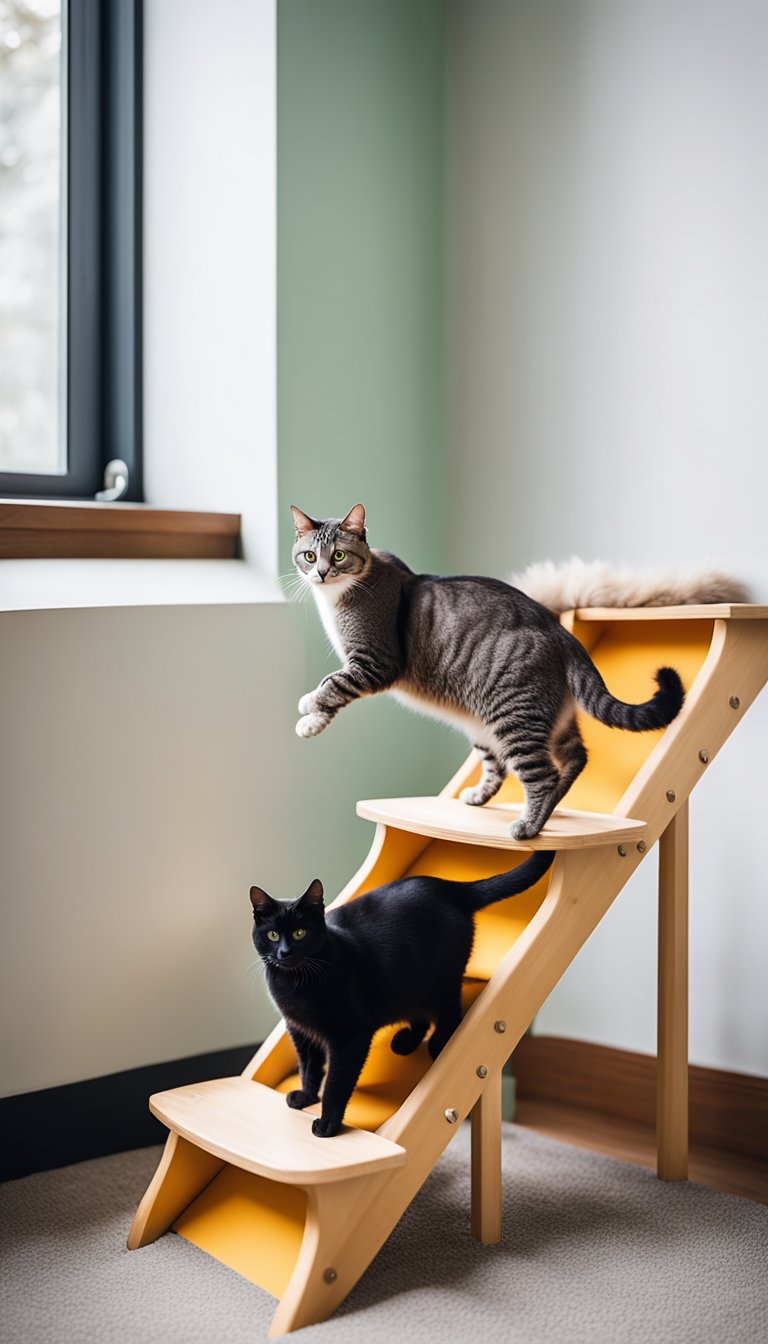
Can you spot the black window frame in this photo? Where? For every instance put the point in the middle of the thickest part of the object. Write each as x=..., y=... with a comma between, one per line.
x=103, y=259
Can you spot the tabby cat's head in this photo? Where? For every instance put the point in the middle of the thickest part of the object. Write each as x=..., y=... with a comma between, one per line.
x=287, y=933
x=328, y=551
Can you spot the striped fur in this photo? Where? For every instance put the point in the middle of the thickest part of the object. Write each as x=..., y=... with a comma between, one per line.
x=473, y=651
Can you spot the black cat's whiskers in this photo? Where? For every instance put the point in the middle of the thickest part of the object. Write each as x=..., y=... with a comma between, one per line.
x=303, y=972
x=316, y=967
x=255, y=971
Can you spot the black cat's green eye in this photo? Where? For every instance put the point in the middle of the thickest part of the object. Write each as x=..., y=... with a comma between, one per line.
x=273, y=936
x=338, y=556
x=310, y=557
x=298, y=933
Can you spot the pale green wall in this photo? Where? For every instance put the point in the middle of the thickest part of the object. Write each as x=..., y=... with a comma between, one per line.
x=360, y=230
x=360, y=353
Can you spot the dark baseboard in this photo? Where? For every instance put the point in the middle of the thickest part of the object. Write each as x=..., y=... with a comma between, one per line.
x=727, y=1110
x=61, y=1125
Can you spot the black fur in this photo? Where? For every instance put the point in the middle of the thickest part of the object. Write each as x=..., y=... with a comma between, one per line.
x=396, y=954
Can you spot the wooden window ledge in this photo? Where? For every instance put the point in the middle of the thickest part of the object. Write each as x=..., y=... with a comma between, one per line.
x=36, y=529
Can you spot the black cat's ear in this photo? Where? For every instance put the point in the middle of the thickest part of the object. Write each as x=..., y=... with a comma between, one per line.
x=260, y=901
x=314, y=893
x=354, y=521
x=302, y=522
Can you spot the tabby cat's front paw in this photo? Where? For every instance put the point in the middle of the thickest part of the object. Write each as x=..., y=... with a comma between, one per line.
x=324, y=1129
x=474, y=797
x=311, y=725
x=524, y=830
x=307, y=703
x=298, y=1099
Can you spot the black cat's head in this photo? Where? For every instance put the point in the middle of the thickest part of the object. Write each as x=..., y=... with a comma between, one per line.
x=287, y=933
x=332, y=552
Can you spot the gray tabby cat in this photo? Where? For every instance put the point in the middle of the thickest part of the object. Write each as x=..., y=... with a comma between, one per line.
x=473, y=651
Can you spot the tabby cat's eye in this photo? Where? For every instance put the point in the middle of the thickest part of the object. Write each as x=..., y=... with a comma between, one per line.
x=310, y=557
x=273, y=936
x=338, y=556
x=298, y=933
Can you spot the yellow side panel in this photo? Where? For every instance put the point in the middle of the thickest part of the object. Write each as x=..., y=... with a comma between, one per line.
x=249, y=1223
x=627, y=655
x=498, y=927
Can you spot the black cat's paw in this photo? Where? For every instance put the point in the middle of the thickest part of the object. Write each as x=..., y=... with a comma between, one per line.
x=434, y=1047
x=524, y=830
x=403, y=1042
x=324, y=1129
x=298, y=1099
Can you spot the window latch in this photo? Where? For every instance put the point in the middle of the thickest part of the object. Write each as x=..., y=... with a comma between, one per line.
x=115, y=481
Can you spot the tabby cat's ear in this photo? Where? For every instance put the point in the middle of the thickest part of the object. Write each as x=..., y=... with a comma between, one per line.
x=354, y=521
x=303, y=523
x=314, y=893
x=260, y=901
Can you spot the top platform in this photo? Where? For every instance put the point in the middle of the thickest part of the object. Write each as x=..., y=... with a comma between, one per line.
x=446, y=818
x=714, y=611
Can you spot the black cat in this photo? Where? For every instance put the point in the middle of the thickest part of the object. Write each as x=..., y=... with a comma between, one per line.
x=396, y=954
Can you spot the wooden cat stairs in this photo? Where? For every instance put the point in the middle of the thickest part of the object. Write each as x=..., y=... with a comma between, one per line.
x=242, y=1176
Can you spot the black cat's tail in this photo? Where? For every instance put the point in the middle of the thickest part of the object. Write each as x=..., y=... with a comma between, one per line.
x=492, y=889
x=590, y=691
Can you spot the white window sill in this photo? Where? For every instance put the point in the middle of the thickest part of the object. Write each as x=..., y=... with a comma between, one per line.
x=50, y=585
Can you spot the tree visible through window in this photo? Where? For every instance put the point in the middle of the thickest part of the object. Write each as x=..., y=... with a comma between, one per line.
x=31, y=236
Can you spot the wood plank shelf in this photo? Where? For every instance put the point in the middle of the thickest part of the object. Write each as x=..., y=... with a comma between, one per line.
x=446, y=818
x=250, y=1125
x=87, y=529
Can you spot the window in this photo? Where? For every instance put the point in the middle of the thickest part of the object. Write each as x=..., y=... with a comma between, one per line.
x=70, y=245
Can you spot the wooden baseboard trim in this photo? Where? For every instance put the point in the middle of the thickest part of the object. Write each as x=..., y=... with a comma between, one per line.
x=727, y=1110
x=60, y=530
x=61, y=1125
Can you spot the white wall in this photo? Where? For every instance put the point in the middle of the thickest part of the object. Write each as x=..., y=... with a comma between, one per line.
x=608, y=334
x=150, y=775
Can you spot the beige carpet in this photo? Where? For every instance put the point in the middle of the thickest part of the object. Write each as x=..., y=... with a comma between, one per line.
x=595, y=1252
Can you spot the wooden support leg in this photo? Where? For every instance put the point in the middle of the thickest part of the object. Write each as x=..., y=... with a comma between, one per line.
x=183, y=1172
x=486, y=1162
x=332, y=1256
x=672, y=1065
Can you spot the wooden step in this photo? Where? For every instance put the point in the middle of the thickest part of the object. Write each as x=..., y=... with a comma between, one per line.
x=446, y=818
x=251, y=1126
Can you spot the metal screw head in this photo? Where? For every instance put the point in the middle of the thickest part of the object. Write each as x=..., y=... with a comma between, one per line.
x=671, y=795
x=703, y=756
x=481, y=1071
x=451, y=1116
x=623, y=851
x=330, y=1275
x=501, y=1027
x=734, y=702
x=641, y=846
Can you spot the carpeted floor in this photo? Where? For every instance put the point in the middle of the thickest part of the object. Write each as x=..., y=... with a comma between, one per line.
x=595, y=1252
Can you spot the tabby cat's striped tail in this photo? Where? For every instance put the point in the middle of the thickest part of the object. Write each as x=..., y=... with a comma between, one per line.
x=591, y=693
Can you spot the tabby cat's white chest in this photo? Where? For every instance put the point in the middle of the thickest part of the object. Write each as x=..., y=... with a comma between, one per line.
x=326, y=599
